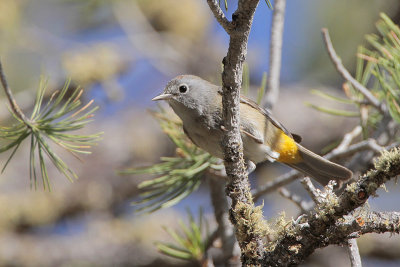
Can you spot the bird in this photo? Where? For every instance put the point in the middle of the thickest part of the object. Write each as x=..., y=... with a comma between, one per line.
x=198, y=103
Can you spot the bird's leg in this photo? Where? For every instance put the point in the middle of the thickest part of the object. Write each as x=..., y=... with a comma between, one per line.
x=250, y=166
x=270, y=154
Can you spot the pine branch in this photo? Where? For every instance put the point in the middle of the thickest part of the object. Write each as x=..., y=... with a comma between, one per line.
x=14, y=106
x=52, y=121
x=189, y=245
x=176, y=177
x=347, y=76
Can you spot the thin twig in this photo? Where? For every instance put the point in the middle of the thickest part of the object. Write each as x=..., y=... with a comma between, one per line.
x=312, y=191
x=301, y=203
x=347, y=76
x=275, y=54
x=354, y=253
x=14, y=106
x=369, y=144
x=220, y=16
x=348, y=138
x=271, y=186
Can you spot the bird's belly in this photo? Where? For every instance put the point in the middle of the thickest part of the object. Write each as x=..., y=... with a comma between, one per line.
x=208, y=141
x=252, y=150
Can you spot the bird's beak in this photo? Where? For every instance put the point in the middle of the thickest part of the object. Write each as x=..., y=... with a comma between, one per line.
x=162, y=97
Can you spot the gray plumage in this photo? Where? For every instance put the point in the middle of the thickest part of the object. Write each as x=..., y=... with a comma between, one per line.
x=199, y=104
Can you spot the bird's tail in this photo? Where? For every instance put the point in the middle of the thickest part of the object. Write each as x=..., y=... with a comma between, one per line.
x=322, y=170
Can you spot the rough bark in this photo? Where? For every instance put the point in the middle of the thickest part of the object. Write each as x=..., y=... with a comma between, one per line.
x=244, y=215
x=325, y=226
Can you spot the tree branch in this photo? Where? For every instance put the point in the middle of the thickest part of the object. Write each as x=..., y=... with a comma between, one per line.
x=322, y=222
x=353, y=226
x=354, y=253
x=225, y=231
x=275, y=54
x=245, y=217
x=220, y=16
x=348, y=138
x=369, y=222
x=347, y=76
x=298, y=240
x=14, y=106
x=312, y=191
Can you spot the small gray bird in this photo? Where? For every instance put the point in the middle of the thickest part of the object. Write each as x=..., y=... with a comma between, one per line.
x=199, y=104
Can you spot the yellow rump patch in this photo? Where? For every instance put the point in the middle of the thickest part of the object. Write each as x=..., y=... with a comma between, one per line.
x=287, y=149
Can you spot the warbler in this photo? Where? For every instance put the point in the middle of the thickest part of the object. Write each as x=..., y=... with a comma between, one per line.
x=199, y=105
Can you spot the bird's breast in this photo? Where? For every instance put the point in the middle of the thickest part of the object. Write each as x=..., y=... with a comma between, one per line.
x=205, y=137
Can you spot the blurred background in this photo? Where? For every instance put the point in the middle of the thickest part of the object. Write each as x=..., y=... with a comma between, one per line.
x=123, y=52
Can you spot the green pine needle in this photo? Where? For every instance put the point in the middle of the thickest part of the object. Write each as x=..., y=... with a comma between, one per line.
x=189, y=245
x=384, y=60
x=53, y=121
x=226, y=4
x=269, y=4
x=176, y=177
x=378, y=68
x=332, y=97
x=336, y=112
x=246, y=79
x=262, y=88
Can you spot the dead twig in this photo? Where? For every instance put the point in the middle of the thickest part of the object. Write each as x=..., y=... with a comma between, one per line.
x=347, y=76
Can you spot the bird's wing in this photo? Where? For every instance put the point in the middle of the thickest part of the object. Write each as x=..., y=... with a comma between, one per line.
x=255, y=138
x=267, y=114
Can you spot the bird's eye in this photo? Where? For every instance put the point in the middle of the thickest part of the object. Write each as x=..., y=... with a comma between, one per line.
x=183, y=88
